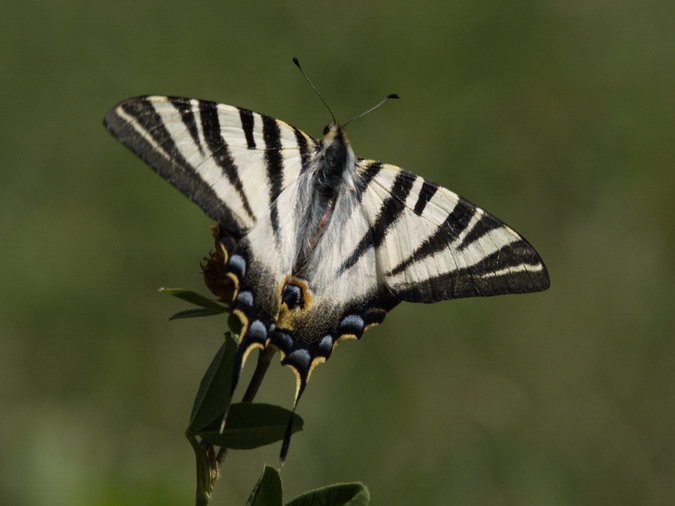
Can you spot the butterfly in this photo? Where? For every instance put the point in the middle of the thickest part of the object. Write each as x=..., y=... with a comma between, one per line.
x=318, y=245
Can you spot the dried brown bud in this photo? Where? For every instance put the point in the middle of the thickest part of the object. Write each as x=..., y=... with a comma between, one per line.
x=213, y=269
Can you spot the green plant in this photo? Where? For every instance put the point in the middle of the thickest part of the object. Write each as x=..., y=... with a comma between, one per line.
x=218, y=425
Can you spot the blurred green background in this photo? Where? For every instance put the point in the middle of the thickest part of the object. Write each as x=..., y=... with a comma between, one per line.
x=557, y=116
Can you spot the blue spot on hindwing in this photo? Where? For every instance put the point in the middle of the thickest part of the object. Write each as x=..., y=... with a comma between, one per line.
x=257, y=332
x=299, y=359
x=237, y=264
x=326, y=345
x=245, y=299
x=352, y=324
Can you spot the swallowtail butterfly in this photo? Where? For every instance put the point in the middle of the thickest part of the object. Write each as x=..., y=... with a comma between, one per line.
x=319, y=244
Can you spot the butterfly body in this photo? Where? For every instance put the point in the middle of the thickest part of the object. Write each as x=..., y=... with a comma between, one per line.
x=318, y=243
x=312, y=305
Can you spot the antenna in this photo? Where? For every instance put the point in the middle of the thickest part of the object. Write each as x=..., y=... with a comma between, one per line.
x=297, y=63
x=388, y=97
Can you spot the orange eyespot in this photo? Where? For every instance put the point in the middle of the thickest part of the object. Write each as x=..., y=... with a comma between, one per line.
x=293, y=296
x=296, y=294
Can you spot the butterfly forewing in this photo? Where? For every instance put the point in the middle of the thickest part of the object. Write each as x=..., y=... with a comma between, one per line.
x=231, y=161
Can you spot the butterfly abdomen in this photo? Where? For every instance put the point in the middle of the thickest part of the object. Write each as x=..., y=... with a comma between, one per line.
x=318, y=193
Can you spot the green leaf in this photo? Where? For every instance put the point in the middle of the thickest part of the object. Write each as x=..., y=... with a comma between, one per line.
x=268, y=491
x=213, y=396
x=341, y=494
x=195, y=298
x=192, y=313
x=250, y=425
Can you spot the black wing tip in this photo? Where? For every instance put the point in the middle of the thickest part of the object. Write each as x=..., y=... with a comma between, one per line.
x=538, y=283
x=144, y=98
x=112, y=117
x=541, y=280
x=527, y=282
x=112, y=121
x=545, y=278
x=536, y=280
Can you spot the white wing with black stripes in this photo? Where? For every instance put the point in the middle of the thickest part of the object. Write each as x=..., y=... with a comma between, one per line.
x=435, y=245
x=231, y=161
x=317, y=244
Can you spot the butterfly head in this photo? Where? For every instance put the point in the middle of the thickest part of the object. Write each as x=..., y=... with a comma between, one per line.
x=337, y=151
x=331, y=127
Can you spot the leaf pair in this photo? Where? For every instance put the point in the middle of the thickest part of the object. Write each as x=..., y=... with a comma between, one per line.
x=207, y=307
x=214, y=421
x=248, y=425
x=268, y=492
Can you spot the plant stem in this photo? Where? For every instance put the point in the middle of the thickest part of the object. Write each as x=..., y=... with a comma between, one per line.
x=208, y=462
x=264, y=360
x=205, y=470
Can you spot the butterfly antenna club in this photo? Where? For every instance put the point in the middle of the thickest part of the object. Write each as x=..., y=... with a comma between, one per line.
x=385, y=99
x=297, y=64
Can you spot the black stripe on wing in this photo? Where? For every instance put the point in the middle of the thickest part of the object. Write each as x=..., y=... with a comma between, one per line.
x=427, y=191
x=188, y=116
x=515, y=268
x=303, y=146
x=483, y=226
x=273, y=160
x=160, y=152
x=454, y=224
x=391, y=209
x=220, y=151
x=371, y=170
x=246, y=118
